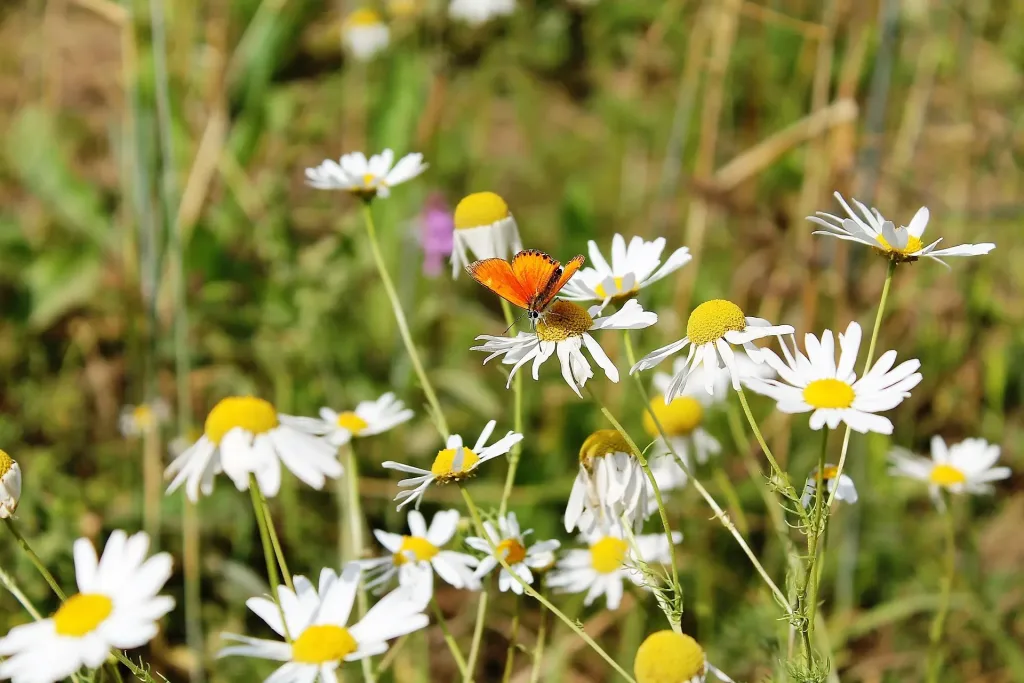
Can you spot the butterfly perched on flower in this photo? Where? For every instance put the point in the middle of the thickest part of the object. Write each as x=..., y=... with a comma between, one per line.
x=531, y=280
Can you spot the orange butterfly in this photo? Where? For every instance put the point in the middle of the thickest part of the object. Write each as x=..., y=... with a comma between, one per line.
x=530, y=281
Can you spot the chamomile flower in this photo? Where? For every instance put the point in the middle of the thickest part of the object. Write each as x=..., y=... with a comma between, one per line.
x=815, y=382
x=609, y=485
x=670, y=657
x=510, y=543
x=564, y=329
x=144, y=418
x=903, y=244
x=844, y=488
x=365, y=178
x=454, y=463
x=965, y=467
x=484, y=228
x=632, y=268
x=244, y=435
x=476, y=12
x=117, y=606
x=316, y=623
x=414, y=556
x=369, y=418
x=365, y=34
x=720, y=378
x=606, y=563
x=10, y=485
x=682, y=420
x=712, y=330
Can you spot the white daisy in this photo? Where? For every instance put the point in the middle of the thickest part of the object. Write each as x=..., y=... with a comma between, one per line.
x=412, y=557
x=365, y=34
x=602, y=567
x=564, y=329
x=476, y=12
x=143, y=418
x=720, y=378
x=10, y=485
x=843, y=486
x=365, y=178
x=369, y=418
x=244, y=435
x=484, y=228
x=633, y=268
x=609, y=485
x=670, y=657
x=903, y=244
x=965, y=467
x=117, y=606
x=816, y=383
x=711, y=330
x=317, y=623
x=682, y=421
x=510, y=543
x=454, y=463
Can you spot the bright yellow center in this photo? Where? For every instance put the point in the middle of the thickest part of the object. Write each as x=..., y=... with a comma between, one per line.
x=829, y=472
x=829, y=393
x=369, y=179
x=351, y=422
x=913, y=244
x=81, y=614
x=947, y=475
x=678, y=418
x=668, y=657
x=512, y=550
x=362, y=17
x=322, y=644
x=254, y=415
x=712, y=319
x=618, y=293
x=143, y=416
x=608, y=554
x=480, y=209
x=6, y=463
x=562, y=320
x=419, y=548
x=442, y=469
x=601, y=443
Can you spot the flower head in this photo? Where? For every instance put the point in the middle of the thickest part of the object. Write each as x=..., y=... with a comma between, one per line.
x=364, y=178
x=10, y=485
x=454, y=463
x=144, y=418
x=245, y=435
x=564, y=328
x=436, y=225
x=485, y=228
x=476, y=12
x=682, y=420
x=609, y=485
x=365, y=34
x=843, y=486
x=510, y=542
x=117, y=606
x=965, y=467
x=903, y=244
x=669, y=657
x=720, y=379
x=831, y=392
x=632, y=268
x=368, y=418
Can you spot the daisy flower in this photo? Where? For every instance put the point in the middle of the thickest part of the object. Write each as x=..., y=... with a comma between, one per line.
x=815, y=382
x=682, y=421
x=965, y=467
x=633, y=268
x=454, y=463
x=669, y=657
x=365, y=178
x=10, y=485
x=476, y=12
x=842, y=485
x=317, y=624
x=903, y=245
x=143, y=418
x=564, y=329
x=117, y=606
x=602, y=567
x=369, y=418
x=720, y=379
x=712, y=329
x=244, y=435
x=510, y=543
x=484, y=228
x=609, y=485
x=412, y=557
x=365, y=34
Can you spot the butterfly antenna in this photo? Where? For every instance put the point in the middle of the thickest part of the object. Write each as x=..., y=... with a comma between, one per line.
x=514, y=322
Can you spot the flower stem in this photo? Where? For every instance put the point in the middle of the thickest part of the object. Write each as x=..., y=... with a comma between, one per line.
x=40, y=567
x=935, y=651
x=403, y=326
x=807, y=596
x=478, y=634
x=268, y=551
x=517, y=400
x=478, y=525
x=510, y=655
x=781, y=477
x=538, y=651
x=354, y=515
x=449, y=639
x=274, y=541
x=7, y=581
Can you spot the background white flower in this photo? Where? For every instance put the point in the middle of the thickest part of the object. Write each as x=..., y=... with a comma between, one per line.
x=965, y=467
x=475, y=12
x=364, y=34
x=10, y=485
x=843, y=485
x=610, y=485
x=511, y=543
x=143, y=418
x=485, y=228
x=368, y=418
x=632, y=268
x=367, y=178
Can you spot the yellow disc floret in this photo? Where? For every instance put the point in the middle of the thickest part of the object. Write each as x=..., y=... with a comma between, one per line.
x=914, y=245
x=712, y=319
x=479, y=210
x=617, y=295
x=829, y=393
x=947, y=475
x=601, y=443
x=82, y=614
x=444, y=469
x=254, y=415
x=830, y=472
x=512, y=550
x=608, y=554
x=351, y=422
x=678, y=418
x=415, y=548
x=362, y=17
x=323, y=643
x=563, y=319
x=669, y=657
x=6, y=463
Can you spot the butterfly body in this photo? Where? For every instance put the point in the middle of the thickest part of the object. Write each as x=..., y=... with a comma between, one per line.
x=531, y=280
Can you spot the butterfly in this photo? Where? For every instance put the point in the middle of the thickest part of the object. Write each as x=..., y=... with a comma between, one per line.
x=531, y=280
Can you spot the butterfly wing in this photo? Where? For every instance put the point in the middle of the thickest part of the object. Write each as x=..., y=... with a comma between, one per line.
x=498, y=276
x=558, y=280
x=535, y=271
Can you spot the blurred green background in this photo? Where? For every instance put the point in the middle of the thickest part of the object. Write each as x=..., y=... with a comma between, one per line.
x=718, y=125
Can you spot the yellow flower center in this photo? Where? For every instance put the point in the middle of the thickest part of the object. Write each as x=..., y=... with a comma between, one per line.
x=351, y=422
x=668, y=657
x=322, y=644
x=601, y=443
x=418, y=547
x=513, y=551
x=480, y=209
x=947, y=475
x=712, y=319
x=562, y=320
x=829, y=393
x=143, y=416
x=369, y=180
x=829, y=472
x=443, y=471
x=254, y=415
x=362, y=18
x=81, y=614
x=913, y=244
x=618, y=293
x=608, y=554
x=678, y=418
x=6, y=463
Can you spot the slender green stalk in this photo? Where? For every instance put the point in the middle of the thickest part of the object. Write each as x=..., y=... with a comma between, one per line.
x=191, y=569
x=804, y=601
x=478, y=631
x=40, y=567
x=152, y=483
x=268, y=550
x=403, y=326
x=392, y=654
x=781, y=477
x=538, y=650
x=449, y=639
x=354, y=516
x=510, y=654
x=517, y=412
x=935, y=649
x=272, y=534
x=7, y=581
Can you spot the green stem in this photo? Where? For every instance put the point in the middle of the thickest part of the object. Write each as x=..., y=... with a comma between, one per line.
x=538, y=651
x=517, y=400
x=806, y=598
x=935, y=651
x=478, y=631
x=510, y=654
x=403, y=326
x=781, y=477
x=392, y=654
x=191, y=569
x=268, y=551
x=449, y=639
x=274, y=541
x=40, y=567
x=354, y=513
x=7, y=581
